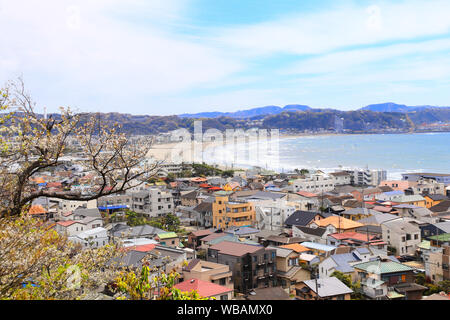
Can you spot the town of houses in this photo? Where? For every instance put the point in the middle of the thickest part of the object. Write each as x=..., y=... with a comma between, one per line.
x=263, y=235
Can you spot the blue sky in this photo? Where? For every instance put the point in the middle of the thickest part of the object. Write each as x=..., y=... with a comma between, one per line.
x=177, y=56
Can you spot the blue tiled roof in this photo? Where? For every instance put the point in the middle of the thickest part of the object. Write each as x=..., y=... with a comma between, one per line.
x=342, y=261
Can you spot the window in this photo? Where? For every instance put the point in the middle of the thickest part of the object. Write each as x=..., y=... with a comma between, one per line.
x=224, y=297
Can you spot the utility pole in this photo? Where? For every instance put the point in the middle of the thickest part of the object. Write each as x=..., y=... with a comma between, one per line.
x=315, y=278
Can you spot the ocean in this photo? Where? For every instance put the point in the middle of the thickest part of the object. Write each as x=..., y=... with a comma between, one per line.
x=396, y=153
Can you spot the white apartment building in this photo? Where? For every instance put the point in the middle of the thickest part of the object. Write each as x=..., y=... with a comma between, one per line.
x=92, y=238
x=64, y=206
x=403, y=234
x=167, y=168
x=367, y=177
x=341, y=178
x=271, y=214
x=153, y=202
x=315, y=183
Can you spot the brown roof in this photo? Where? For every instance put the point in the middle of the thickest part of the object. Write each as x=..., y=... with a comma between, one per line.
x=200, y=233
x=340, y=174
x=235, y=249
x=213, y=236
x=444, y=206
x=272, y=293
x=385, y=188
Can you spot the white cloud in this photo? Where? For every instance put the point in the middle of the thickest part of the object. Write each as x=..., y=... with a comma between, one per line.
x=344, y=60
x=83, y=47
x=342, y=26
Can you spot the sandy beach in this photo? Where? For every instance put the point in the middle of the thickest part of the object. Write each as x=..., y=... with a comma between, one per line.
x=174, y=151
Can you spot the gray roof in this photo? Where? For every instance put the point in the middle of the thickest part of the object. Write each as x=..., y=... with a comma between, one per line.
x=437, y=197
x=363, y=211
x=369, y=228
x=281, y=252
x=242, y=230
x=328, y=287
x=300, y=218
x=342, y=260
x=378, y=218
x=402, y=225
x=318, y=232
x=264, y=195
x=444, y=226
x=138, y=231
x=92, y=213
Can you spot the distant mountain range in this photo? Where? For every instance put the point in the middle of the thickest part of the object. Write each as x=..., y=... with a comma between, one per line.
x=386, y=117
x=272, y=110
x=250, y=113
x=393, y=107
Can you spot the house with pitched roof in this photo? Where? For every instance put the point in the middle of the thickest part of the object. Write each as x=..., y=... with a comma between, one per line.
x=351, y=239
x=195, y=237
x=416, y=200
x=318, y=235
x=289, y=271
x=205, y=289
x=335, y=224
x=386, y=278
x=169, y=239
x=357, y=214
x=434, y=199
x=322, y=289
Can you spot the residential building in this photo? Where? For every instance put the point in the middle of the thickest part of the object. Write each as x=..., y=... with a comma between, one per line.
x=434, y=199
x=318, y=235
x=235, y=213
x=415, y=200
x=209, y=271
x=322, y=289
x=92, y=238
x=153, y=202
x=357, y=214
x=336, y=224
x=289, y=272
x=403, y=234
x=438, y=177
x=303, y=218
x=205, y=289
x=384, y=278
x=253, y=266
x=123, y=231
x=366, y=177
x=341, y=178
x=315, y=183
x=169, y=239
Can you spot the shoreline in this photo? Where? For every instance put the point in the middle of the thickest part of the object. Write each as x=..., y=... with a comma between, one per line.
x=160, y=151
x=219, y=153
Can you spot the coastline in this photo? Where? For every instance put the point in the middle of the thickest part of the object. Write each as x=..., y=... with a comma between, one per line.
x=163, y=151
x=382, y=155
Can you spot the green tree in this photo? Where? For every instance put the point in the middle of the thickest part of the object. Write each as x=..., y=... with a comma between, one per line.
x=347, y=280
x=150, y=286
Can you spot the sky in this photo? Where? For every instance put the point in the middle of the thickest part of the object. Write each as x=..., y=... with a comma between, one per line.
x=186, y=56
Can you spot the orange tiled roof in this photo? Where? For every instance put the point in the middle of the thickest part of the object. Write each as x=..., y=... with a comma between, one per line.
x=37, y=209
x=338, y=222
x=296, y=247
